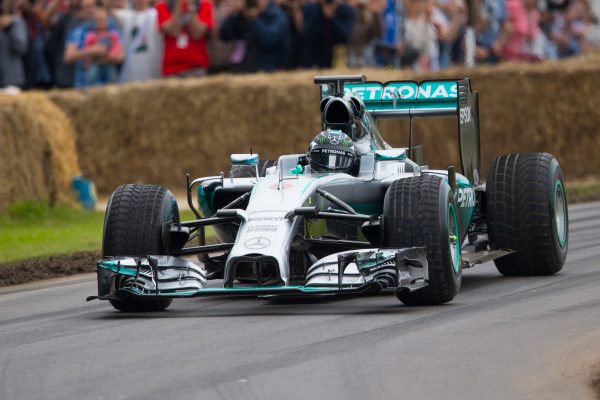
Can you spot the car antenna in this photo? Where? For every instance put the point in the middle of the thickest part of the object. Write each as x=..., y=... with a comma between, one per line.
x=410, y=136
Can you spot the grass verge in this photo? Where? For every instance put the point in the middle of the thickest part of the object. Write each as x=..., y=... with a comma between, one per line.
x=583, y=191
x=32, y=230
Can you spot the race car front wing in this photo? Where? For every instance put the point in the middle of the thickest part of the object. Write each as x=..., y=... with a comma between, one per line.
x=348, y=272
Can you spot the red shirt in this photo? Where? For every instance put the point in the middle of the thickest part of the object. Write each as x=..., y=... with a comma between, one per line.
x=525, y=28
x=183, y=53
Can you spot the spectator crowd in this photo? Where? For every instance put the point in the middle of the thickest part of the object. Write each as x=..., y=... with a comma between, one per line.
x=82, y=43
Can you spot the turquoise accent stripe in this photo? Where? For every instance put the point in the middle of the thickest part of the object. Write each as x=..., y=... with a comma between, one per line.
x=205, y=202
x=244, y=159
x=113, y=266
x=368, y=208
x=259, y=290
x=386, y=155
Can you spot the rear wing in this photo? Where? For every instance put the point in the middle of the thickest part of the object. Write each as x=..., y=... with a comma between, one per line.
x=408, y=99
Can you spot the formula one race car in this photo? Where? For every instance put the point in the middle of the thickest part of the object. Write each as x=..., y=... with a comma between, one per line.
x=351, y=215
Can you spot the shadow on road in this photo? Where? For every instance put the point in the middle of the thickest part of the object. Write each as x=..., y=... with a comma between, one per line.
x=384, y=303
x=485, y=283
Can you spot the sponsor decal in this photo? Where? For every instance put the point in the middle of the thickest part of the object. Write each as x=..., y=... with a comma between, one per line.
x=400, y=90
x=257, y=243
x=265, y=219
x=465, y=115
x=330, y=151
x=262, y=229
x=335, y=139
x=466, y=197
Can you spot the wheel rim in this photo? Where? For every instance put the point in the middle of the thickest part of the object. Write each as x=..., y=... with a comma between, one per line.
x=560, y=213
x=453, y=238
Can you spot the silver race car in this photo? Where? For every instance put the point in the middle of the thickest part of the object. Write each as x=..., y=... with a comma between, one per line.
x=351, y=215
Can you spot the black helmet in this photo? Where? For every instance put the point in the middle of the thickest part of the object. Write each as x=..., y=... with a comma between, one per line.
x=332, y=151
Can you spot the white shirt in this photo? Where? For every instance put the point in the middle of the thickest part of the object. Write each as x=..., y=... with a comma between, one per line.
x=142, y=42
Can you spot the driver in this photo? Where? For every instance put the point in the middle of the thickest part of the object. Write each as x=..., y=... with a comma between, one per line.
x=332, y=151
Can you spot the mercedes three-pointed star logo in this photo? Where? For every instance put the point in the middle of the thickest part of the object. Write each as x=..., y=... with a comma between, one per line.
x=257, y=243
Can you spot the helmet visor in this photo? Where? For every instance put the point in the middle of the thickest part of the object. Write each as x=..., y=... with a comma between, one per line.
x=331, y=159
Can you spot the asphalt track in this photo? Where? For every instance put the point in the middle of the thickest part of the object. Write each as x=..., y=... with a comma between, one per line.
x=501, y=338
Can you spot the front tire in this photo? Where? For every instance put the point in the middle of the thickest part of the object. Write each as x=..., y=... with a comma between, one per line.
x=527, y=213
x=132, y=227
x=421, y=212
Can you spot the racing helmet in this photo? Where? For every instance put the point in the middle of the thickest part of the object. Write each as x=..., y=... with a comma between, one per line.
x=332, y=151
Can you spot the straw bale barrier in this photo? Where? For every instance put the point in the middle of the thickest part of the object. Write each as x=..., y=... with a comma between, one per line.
x=38, y=155
x=158, y=131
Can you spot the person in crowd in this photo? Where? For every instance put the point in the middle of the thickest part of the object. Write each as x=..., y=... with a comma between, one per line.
x=553, y=23
x=37, y=72
x=327, y=23
x=142, y=42
x=63, y=29
x=74, y=54
x=367, y=31
x=185, y=25
x=524, y=34
x=101, y=66
x=580, y=17
x=449, y=20
x=491, y=31
x=13, y=44
x=221, y=51
x=114, y=5
x=264, y=27
x=593, y=34
x=566, y=23
x=293, y=10
x=389, y=50
x=420, y=36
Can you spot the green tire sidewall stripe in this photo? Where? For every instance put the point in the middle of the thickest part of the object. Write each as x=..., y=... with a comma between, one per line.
x=452, y=212
x=560, y=236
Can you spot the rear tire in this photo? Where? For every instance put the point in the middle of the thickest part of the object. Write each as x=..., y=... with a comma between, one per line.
x=421, y=212
x=527, y=213
x=132, y=227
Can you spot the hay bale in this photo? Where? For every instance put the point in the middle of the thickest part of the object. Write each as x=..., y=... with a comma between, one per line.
x=156, y=132
x=38, y=155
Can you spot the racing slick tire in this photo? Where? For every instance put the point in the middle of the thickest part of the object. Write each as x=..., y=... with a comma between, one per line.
x=132, y=227
x=527, y=213
x=421, y=212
